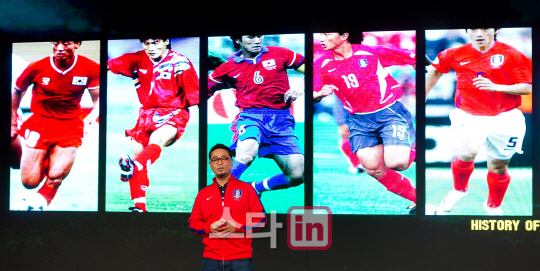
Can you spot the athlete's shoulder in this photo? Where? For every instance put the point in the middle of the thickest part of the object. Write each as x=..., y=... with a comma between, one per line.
x=87, y=61
x=503, y=47
x=40, y=63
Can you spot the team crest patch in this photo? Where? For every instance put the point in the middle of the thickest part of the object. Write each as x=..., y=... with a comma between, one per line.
x=79, y=81
x=45, y=80
x=269, y=64
x=362, y=62
x=497, y=60
x=237, y=193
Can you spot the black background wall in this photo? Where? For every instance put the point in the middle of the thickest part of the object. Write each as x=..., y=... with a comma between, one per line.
x=125, y=241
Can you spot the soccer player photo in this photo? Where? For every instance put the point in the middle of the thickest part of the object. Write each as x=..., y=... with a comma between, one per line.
x=54, y=120
x=364, y=134
x=257, y=104
x=152, y=124
x=478, y=117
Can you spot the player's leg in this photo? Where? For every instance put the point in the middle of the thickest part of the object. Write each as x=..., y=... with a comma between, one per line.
x=60, y=163
x=246, y=151
x=372, y=159
x=468, y=140
x=292, y=166
x=32, y=168
x=16, y=153
x=505, y=137
x=345, y=145
x=139, y=182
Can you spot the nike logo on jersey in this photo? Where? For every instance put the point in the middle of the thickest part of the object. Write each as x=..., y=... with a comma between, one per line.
x=236, y=76
x=331, y=70
x=464, y=63
x=209, y=198
x=144, y=71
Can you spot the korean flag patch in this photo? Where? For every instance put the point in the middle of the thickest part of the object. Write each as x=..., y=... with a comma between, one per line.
x=237, y=193
x=269, y=64
x=497, y=60
x=362, y=62
x=79, y=81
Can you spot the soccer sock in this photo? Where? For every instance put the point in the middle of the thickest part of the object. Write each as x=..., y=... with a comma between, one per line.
x=140, y=182
x=48, y=192
x=346, y=148
x=140, y=203
x=237, y=169
x=461, y=172
x=398, y=184
x=275, y=182
x=497, y=186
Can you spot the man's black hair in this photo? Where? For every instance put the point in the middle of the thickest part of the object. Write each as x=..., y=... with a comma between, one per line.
x=154, y=38
x=354, y=39
x=220, y=146
x=494, y=37
x=234, y=38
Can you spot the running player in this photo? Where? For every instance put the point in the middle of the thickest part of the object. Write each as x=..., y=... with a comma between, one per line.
x=166, y=85
x=491, y=76
x=381, y=129
x=265, y=127
x=55, y=130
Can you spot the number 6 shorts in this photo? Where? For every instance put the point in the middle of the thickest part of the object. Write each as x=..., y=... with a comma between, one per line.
x=272, y=128
x=389, y=126
x=501, y=134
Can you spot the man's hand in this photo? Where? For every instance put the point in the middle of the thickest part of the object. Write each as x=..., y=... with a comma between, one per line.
x=325, y=91
x=91, y=122
x=215, y=227
x=484, y=84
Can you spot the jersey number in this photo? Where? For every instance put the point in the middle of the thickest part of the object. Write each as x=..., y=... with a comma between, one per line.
x=257, y=78
x=399, y=130
x=512, y=142
x=351, y=80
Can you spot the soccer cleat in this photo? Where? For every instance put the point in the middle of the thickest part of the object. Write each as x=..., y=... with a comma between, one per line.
x=434, y=210
x=494, y=211
x=136, y=210
x=452, y=199
x=412, y=209
x=356, y=170
x=126, y=167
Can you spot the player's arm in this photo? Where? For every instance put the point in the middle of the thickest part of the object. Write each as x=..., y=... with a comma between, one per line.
x=93, y=117
x=293, y=93
x=325, y=91
x=16, y=98
x=516, y=89
x=432, y=77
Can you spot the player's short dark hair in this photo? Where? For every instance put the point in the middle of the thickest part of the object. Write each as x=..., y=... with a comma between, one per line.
x=154, y=38
x=353, y=38
x=494, y=37
x=234, y=38
x=220, y=146
x=74, y=41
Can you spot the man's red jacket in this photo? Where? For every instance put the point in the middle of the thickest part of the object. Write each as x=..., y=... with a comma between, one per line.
x=240, y=199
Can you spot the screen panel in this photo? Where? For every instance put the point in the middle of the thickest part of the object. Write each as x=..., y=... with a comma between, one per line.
x=444, y=142
x=172, y=184
x=340, y=180
x=223, y=111
x=50, y=140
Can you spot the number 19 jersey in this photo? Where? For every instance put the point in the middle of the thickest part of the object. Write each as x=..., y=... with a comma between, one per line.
x=364, y=86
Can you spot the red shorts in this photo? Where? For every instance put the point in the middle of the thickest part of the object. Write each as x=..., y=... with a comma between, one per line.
x=42, y=133
x=153, y=118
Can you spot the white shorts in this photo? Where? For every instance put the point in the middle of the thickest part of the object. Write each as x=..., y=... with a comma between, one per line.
x=502, y=134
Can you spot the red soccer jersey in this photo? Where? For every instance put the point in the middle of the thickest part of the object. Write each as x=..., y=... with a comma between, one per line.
x=172, y=82
x=260, y=82
x=364, y=86
x=57, y=94
x=502, y=64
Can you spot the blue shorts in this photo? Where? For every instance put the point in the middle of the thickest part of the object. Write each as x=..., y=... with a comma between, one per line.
x=339, y=113
x=272, y=128
x=390, y=126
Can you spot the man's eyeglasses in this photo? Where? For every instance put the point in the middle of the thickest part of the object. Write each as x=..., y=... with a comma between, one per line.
x=219, y=159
